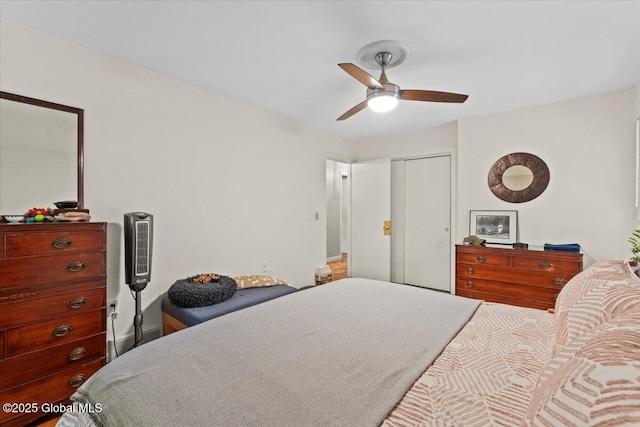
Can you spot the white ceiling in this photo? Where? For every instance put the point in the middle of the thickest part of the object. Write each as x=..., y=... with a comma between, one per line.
x=281, y=56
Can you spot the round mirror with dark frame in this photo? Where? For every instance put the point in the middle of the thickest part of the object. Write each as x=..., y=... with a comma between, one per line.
x=518, y=177
x=41, y=153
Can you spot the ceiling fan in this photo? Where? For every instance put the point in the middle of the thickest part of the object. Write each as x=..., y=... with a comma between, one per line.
x=383, y=96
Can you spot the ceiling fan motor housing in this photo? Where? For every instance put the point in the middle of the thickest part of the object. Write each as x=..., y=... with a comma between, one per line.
x=389, y=90
x=383, y=99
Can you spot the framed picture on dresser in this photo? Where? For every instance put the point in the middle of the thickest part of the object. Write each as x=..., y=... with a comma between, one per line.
x=500, y=227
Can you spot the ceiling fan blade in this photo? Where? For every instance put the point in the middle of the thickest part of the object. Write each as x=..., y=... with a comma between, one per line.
x=352, y=111
x=432, y=96
x=361, y=75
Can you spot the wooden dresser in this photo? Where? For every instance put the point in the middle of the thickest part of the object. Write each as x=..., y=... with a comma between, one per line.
x=527, y=278
x=52, y=312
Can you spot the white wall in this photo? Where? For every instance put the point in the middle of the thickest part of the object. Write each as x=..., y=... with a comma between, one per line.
x=428, y=141
x=588, y=144
x=638, y=100
x=345, y=211
x=335, y=212
x=230, y=185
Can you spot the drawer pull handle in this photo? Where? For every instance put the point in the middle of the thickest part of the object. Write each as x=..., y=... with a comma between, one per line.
x=481, y=258
x=471, y=284
x=61, y=243
x=545, y=265
x=76, y=266
x=77, y=380
x=62, y=330
x=77, y=353
x=471, y=270
x=77, y=302
x=559, y=281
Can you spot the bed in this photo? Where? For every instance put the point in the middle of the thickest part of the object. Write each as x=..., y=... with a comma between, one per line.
x=361, y=352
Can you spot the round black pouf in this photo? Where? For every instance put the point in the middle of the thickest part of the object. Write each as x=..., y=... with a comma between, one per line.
x=190, y=293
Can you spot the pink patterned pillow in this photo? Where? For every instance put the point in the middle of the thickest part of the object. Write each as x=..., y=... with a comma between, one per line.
x=600, y=293
x=594, y=380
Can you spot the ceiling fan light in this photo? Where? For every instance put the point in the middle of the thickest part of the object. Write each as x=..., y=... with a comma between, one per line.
x=382, y=103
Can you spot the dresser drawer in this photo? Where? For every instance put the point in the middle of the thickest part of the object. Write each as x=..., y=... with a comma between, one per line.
x=39, y=309
x=503, y=299
x=488, y=259
x=548, y=264
x=513, y=275
x=32, y=366
x=16, y=272
x=524, y=292
x=37, y=336
x=25, y=293
x=1, y=345
x=49, y=390
x=52, y=243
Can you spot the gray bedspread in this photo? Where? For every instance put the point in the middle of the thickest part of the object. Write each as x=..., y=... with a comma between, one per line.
x=341, y=354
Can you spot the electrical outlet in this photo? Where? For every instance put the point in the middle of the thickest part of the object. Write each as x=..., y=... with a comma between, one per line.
x=265, y=266
x=112, y=307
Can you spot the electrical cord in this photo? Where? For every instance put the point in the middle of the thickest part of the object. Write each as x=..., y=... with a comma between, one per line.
x=113, y=330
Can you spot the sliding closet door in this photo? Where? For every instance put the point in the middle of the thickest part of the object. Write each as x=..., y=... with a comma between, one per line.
x=427, y=249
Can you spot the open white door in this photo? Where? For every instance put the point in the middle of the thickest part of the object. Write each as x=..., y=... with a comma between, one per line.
x=370, y=255
x=427, y=213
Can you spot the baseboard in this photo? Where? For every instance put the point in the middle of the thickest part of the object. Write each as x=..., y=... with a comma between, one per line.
x=124, y=344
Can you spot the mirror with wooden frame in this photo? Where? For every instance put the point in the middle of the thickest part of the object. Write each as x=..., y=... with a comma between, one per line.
x=41, y=153
x=518, y=177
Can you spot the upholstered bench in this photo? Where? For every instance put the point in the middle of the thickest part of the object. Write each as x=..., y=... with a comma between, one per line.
x=175, y=318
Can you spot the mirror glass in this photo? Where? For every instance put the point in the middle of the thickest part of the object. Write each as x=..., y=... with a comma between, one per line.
x=39, y=156
x=517, y=177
